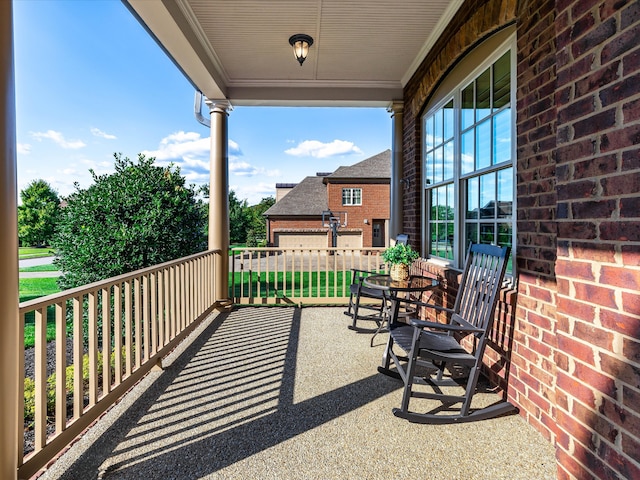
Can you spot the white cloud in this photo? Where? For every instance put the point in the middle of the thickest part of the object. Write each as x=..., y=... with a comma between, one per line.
x=24, y=148
x=58, y=138
x=317, y=149
x=255, y=192
x=99, y=133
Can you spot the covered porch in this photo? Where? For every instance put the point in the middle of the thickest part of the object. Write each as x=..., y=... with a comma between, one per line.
x=284, y=393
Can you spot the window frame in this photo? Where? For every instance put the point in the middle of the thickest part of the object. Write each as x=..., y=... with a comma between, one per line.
x=352, y=190
x=460, y=179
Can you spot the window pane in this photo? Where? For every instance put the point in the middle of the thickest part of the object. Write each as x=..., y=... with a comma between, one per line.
x=357, y=196
x=483, y=145
x=437, y=129
x=471, y=236
x=448, y=120
x=428, y=167
x=483, y=95
x=466, y=113
x=502, y=136
x=488, y=196
x=472, y=198
x=428, y=133
x=487, y=234
x=437, y=165
x=501, y=81
x=505, y=234
x=450, y=203
x=505, y=193
x=448, y=160
x=467, y=142
x=434, y=204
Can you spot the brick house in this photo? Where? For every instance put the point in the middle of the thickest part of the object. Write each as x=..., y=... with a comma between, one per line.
x=358, y=195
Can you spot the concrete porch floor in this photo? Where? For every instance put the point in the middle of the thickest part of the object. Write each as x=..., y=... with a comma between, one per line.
x=289, y=393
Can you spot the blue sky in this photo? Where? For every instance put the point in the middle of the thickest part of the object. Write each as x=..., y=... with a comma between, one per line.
x=90, y=82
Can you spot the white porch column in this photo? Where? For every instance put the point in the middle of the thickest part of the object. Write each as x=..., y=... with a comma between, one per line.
x=219, y=193
x=396, y=222
x=10, y=343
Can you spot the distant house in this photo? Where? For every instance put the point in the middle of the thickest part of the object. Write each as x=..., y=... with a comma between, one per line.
x=357, y=196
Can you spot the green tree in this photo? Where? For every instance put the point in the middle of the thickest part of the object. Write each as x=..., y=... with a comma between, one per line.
x=38, y=214
x=239, y=219
x=139, y=216
x=258, y=222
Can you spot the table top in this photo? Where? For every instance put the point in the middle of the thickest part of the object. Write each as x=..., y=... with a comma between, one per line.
x=415, y=283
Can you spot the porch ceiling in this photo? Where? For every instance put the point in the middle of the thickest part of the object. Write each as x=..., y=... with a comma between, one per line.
x=363, y=54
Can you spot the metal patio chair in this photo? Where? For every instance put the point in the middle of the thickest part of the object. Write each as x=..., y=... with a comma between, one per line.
x=436, y=346
x=374, y=304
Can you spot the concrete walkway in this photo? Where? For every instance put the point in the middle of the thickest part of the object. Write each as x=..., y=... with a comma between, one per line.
x=286, y=393
x=35, y=262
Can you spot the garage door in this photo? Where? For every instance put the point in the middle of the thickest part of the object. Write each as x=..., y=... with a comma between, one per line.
x=350, y=240
x=301, y=240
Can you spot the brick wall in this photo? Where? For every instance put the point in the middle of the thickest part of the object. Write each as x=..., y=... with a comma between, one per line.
x=598, y=256
x=533, y=368
x=375, y=206
x=568, y=344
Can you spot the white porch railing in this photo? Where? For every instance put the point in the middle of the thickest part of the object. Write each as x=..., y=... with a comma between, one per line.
x=298, y=275
x=120, y=328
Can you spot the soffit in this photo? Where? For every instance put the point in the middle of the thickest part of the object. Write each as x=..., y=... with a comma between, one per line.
x=364, y=51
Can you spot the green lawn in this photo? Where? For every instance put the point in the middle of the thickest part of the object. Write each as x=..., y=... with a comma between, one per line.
x=31, y=252
x=31, y=288
x=40, y=268
x=296, y=285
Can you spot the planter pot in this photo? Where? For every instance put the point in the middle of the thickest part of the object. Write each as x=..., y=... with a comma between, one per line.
x=399, y=271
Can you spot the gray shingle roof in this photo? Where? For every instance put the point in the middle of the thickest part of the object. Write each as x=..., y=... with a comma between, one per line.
x=309, y=197
x=378, y=166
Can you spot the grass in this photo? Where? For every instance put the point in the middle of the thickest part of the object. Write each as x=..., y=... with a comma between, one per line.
x=31, y=252
x=292, y=285
x=40, y=268
x=31, y=288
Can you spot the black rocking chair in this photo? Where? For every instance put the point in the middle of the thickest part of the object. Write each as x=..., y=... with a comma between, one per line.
x=436, y=346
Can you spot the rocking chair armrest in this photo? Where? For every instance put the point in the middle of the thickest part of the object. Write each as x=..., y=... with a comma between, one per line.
x=444, y=326
x=418, y=303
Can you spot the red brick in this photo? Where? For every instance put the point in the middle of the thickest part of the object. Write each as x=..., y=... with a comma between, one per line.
x=574, y=470
x=621, y=184
x=576, y=389
x=631, y=350
x=621, y=370
x=631, y=399
x=594, y=464
x=630, y=446
x=620, y=231
x=595, y=422
x=631, y=303
x=575, y=309
x=596, y=294
x=620, y=323
x=570, y=424
x=620, y=138
x=575, y=269
x=622, y=277
x=593, y=252
x=616, y=460
x=595, y=123
x=595, y=379
x=576, y=349
x=577, y=230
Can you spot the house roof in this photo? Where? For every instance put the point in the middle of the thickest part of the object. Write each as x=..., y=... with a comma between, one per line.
x=376, y=167
x=309, y=197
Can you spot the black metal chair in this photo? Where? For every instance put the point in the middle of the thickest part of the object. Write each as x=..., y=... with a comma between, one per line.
x=374, y=300
x=436, y=346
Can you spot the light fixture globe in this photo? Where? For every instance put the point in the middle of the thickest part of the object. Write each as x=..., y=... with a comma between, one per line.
x=300, y=43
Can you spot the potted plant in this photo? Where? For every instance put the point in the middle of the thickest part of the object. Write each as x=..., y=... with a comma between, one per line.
x=399, y=257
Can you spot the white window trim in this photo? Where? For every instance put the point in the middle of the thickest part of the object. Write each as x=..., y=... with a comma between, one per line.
x=351, y=191
x=455, y=93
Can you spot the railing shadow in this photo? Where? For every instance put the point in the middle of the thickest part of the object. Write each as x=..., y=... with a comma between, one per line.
x=229, y=395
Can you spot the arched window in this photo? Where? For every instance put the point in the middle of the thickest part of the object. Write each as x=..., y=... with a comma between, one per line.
x=468, y=152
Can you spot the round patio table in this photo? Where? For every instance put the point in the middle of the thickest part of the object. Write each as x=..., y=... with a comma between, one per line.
x=391, y=289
